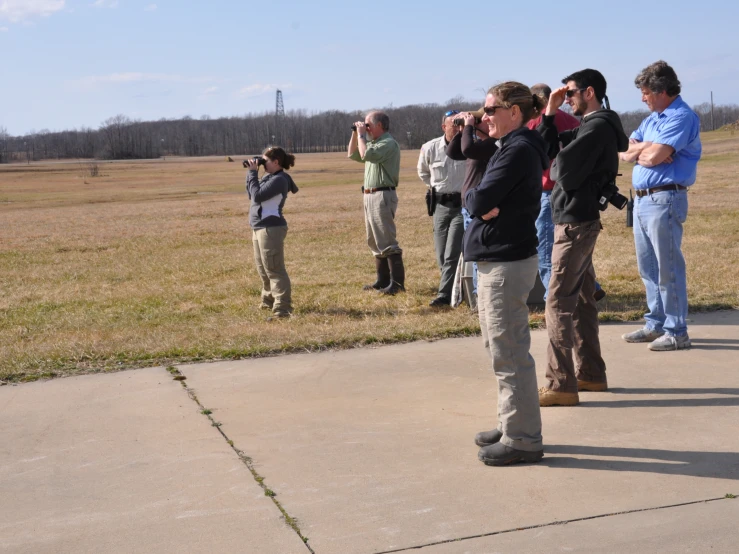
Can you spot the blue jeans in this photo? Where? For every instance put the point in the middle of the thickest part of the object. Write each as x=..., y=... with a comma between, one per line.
x=545, y=234
x=467, y=220
x=658, y=235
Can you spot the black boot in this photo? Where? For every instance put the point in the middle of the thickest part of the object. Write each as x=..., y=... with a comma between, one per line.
x=397, y=275
x=383, y=275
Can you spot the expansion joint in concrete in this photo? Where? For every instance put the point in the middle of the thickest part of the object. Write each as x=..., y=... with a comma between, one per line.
x=553, y=523
x=247, y=461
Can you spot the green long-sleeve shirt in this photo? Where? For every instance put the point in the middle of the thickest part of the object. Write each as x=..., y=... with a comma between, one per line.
x=381, y=162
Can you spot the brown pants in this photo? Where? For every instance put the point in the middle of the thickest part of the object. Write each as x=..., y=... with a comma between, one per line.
x=571, y=312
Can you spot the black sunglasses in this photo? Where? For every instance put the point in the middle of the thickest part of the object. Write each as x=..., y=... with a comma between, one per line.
x=490, y=110
x=451, y=112
x=571, y=92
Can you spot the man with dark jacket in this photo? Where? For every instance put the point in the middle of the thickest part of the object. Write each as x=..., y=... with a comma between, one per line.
x=587, y=162
x=544, y=224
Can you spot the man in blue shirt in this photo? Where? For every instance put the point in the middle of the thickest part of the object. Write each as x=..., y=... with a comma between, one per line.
x=666, y=148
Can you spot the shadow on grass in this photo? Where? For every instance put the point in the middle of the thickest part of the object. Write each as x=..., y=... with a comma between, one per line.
x=351, y=313
x=720, y=465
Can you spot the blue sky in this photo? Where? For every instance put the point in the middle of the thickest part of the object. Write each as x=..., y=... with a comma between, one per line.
x=73, y=63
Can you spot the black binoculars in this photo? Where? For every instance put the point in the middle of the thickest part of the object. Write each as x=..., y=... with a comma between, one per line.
x=257, y=159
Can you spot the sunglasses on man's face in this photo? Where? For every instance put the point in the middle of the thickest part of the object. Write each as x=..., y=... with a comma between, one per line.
x=490, y=110
x=571, y=92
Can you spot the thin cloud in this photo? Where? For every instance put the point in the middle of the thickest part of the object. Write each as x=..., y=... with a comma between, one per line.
x=150, y=8
x=207, y=93
x=105, y=4
x=258, y=89
x=3, y=29
x=21, y=10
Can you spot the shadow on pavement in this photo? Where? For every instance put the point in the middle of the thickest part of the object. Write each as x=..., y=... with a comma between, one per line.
x=714, y=344
x=721, y=465
x=730, y=398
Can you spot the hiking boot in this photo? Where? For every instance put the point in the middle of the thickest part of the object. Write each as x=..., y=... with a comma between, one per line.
x=591, y=386
x=486, y=438
x=670, y=342
x=267, y=303
x=642, y=335
x=382, y=268
x=440, y=301
x=279, y=314
x=549, y=397
x=397, y=275
x=499, y=454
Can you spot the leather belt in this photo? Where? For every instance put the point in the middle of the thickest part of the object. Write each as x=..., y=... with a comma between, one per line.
x=450, y=197
x=644, y=192
x=370, y=191
x=453, y=199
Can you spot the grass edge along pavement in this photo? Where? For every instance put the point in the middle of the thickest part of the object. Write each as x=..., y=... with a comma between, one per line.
x=69, y=367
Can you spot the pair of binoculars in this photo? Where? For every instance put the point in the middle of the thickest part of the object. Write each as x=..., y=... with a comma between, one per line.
x=259, y=161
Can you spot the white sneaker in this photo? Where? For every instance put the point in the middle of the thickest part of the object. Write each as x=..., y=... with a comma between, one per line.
x=670, y=342
x=642, y=335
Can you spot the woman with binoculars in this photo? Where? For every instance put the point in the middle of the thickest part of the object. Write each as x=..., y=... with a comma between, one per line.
x=269, y=227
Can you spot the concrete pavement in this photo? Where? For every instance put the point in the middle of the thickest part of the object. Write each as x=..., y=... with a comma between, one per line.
x=371, y=450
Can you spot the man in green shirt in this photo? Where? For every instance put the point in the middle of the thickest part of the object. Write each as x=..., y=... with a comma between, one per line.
x=381, y=158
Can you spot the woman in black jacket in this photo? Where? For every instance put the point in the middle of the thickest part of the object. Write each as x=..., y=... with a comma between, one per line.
x=502, y=240
x=269, y=227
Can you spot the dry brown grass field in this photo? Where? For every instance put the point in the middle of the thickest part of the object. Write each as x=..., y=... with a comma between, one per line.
x=151, y=262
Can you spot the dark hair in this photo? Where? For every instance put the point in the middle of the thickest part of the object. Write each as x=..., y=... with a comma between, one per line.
x=381, y=119
x=658, y=77
x=275, y=153
x=540, y=89
x=513, y=93
x=589, y=78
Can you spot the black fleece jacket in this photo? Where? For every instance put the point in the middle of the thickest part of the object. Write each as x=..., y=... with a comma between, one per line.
x=512, y=183
x=588, y=159
x=477, y=153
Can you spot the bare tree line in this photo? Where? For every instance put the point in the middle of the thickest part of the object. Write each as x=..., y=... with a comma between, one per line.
x=298, y=131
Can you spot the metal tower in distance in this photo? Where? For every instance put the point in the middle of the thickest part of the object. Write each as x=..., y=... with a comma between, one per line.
x=279, y=105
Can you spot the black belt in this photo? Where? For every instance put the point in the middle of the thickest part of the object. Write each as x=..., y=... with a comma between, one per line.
x=453, y=198
x=370, y=191
x=646, y=192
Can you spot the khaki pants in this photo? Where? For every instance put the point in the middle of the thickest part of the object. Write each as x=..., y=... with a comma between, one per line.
x=571, y=312
x=502, y=291
x=269, y=256
x=379, y=221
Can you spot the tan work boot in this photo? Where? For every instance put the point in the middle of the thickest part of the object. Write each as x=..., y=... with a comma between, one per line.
x=549, y=397
x=592, y=387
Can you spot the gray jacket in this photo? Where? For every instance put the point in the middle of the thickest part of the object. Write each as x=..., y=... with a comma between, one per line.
x=268, y=198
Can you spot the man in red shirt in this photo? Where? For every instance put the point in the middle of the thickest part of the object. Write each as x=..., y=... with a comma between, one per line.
x=544, y=224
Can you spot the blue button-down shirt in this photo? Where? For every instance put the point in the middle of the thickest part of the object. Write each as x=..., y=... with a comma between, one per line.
x=679, y=127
